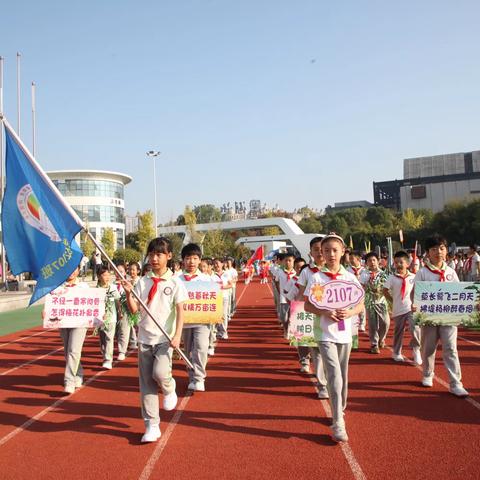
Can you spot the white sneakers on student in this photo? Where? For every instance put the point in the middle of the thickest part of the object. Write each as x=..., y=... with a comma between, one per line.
x=69, y=388
x=107, y=364
x=152, y=434
x=197, y=386
x=417, y=357
x=339, y=433
x=170, y=401
x=121, y=356
x=323, y=393
x=78, y=382
x=458, y=391
x=427, y=381
x=211, y=352
x=305, y=368
x=398, y=357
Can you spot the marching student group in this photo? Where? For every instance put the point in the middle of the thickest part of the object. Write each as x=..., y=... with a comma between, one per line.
x=161, y=286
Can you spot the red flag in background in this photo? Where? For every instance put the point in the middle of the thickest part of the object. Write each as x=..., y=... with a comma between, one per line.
x=258, y=255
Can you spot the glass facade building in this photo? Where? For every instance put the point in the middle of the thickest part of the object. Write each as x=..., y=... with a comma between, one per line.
x=97, y=197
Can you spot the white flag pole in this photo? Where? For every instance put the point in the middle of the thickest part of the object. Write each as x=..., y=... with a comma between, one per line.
x=34, y=125
x=94, y=240
x=18, y=92
x=2, y=182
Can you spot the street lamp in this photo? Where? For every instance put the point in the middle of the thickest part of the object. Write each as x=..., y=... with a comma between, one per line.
x=154, y=154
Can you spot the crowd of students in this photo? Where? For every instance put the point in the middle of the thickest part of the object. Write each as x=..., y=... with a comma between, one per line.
x=387, y=294
x=161, y=286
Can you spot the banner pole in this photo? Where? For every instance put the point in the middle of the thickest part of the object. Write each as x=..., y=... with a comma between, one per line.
x=2, y=179
x=139, y=300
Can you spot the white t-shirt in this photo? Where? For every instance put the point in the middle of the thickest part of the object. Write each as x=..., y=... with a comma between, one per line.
x=291, y=289
x=306, y=274
x=233, y=274
x=329, y=328
x=394, y=283
x=474, y=267
x=170, y=292
x=425, y=275
x=360, y=269
x=282, y=278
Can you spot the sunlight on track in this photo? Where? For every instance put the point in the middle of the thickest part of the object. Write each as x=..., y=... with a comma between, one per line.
x=31, y=361
x=23, y=338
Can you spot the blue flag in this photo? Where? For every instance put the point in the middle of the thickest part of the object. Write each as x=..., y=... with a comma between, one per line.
x=38, y=230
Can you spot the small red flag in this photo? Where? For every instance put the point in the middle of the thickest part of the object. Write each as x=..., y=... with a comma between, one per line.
x=258, y=255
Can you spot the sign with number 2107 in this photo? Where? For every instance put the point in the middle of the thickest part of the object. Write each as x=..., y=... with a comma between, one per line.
x=334, y=295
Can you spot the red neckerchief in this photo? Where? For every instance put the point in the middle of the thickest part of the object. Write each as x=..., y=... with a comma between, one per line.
x=295, y=277
x=289, y=274
x=404, y=283
x=373, y=276
x=219, y=275
x=153, y=290
x=437, y=272
x=190, y=277
x=313, y=269
x=356, y=270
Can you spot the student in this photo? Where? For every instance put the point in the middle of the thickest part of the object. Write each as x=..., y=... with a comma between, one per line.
x=112, y=306
x=357, y=268
x=282, y=278
x=72, y=339
x=223, y=279
x=336, y=332
x=177, y=268
x=436, y=270
x=471, y=267
x=276, y=267
x=397, y=290
x=196, y=336
x=232, y=271
x=126, y=324
x=376, y=306
x=307, y=273
x=203, y=267
x=164, y=294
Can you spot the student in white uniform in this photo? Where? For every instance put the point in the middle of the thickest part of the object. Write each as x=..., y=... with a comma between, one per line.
x=282, y=278
x=196, y=336
x=397, y=289
x=164, y=294
x=223, y=279
x=336, y=332
x=436, y=270
x=357, y=269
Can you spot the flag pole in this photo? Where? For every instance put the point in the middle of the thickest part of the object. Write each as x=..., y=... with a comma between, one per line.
x=2, y=181
x=34, y=125
x=18, y=92
x=77, y=219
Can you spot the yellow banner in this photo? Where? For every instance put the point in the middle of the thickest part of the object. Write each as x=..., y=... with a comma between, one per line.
x=204, y=304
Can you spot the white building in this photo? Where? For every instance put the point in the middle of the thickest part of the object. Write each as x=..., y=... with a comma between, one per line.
x=98, y=198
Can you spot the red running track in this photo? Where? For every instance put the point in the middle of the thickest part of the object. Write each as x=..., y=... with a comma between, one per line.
x=259, y=417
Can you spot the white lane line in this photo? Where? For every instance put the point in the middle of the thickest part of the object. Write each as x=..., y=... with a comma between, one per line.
x=31, y=361
x=469, y=341
x=23, y=338
x=346, y=449
x=54, y=405
x=147, y=471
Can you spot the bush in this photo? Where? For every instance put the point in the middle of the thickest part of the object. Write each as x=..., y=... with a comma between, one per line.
x=124, y=255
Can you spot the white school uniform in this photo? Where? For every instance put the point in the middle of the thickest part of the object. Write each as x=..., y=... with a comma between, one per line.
x=223, y=279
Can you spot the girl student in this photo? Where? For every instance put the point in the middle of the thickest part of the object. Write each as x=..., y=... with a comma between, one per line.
x=72, y=339
x=335, y=342
x=164, y=295
x=112, y=306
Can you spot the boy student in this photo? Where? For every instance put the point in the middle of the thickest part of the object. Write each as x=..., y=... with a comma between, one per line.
x=336, y=331
x=196, y=336
x=357, y=268
x=164, y=294
x=397, y=290
x=282, y=278
x=376, y=305
x=436, y=270
x=223, y=279
x=232, y=271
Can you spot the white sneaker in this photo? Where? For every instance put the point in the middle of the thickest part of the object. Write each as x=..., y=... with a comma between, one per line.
x=211, y=352
x=170, y=401
x=225, y=336
x=427, y=381
x=152, y=434
x=69, y=388
x=107, y=364
x=458, y=391
x=78, y=382
x=417, y=357
x=191, y=386
x=361, y=328
x=323, y=393
x=305, y=369
x=339, y=433
x=398, y=357
x=200, y=387
x=121, y=356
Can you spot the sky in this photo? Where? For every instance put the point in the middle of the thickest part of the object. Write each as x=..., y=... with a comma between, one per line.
x=293, y=103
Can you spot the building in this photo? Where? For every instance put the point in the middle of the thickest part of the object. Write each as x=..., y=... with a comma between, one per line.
x=131, y=224
x=97, y=197
x=353, y=204
x=432, y=182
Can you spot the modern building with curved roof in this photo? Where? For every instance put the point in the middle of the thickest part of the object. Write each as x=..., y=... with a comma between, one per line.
x=98, y=198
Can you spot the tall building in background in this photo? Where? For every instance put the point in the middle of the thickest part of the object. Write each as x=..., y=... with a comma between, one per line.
x=432, y=182
x=98, y=198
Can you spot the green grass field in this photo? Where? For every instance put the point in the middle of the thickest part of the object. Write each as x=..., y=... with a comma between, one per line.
x=20, y=319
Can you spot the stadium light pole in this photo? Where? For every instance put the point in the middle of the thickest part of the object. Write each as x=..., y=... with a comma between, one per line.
x=154, y=154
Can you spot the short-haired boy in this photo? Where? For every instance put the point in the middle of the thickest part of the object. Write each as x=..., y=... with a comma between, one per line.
x=336, y=332
x=225, y=283
x=196, y=336
x=436, y=270
x=397, y=289
x=376, y=305
x=283, y=277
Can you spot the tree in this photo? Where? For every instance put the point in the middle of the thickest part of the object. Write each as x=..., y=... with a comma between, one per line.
x=146, y=230
x=207, y=213
x=177, y=243
x=131, y=240
x=191, y=222
x=411, y=220
x=215, y=243
x=123, y=255
x=310, y=225
x=108, y=242
x=88, y=246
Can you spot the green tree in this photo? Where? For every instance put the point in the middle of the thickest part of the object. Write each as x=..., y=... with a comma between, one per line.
x=131, y=240
x=108, y=241
x=177, y=243
x=146, y=230
x=216, y=243
x=207, y=213
x=88, y=246
x=129, y=255
x=310, y=225
x=191, y=223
